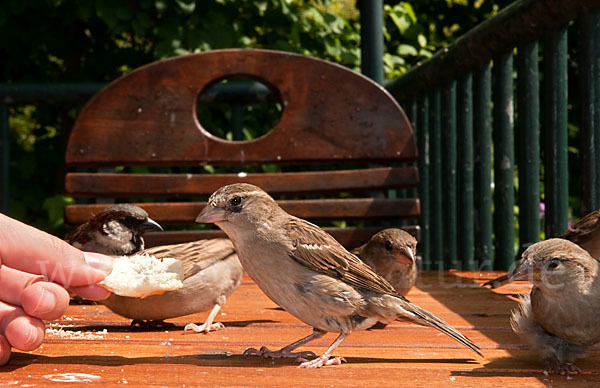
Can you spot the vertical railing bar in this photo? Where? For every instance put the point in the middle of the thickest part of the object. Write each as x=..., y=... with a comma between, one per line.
x=482, y=118
x=504, y=228
x=435, y=154
x=371, y=38
x=237, y=121
x=528, y=109
x=589, y=95
x=449, y=178
x=4, y=159
x=556, y=179
x=423, y=145
x=466, y=233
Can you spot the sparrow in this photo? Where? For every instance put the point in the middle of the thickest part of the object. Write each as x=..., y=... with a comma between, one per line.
x=308, y=273
x=585, y=233
x=560, y=318
x=392, y=254
x=116, y=230
x=211, y=272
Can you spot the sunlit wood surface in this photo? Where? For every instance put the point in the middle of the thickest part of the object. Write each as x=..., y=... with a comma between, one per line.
x=91, y=345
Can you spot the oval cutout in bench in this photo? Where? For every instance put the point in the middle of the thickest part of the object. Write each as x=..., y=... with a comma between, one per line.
x=239, y=108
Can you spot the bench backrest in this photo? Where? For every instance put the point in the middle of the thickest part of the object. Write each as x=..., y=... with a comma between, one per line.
x=342, y=142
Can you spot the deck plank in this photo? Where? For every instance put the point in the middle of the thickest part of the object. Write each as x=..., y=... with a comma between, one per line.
x=101, y=347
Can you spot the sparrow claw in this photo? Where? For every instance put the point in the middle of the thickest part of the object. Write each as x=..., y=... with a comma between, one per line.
x=264, y=352
x=203, y=328
x=321, y=361
x=564, y=369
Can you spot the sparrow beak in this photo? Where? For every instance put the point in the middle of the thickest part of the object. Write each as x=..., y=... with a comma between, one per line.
x=406, y=256
x=522, y=272
x=150, y=224
x=211, y=215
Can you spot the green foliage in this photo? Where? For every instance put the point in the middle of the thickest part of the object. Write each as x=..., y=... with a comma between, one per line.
x=70, y=41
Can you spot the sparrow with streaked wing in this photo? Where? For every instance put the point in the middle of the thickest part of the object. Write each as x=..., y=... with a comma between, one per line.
x=211, y=272
x=308, y=273
x=560, y=318
x=585, y=233
x=116, y=230
x=392, y=254
x=211, y=269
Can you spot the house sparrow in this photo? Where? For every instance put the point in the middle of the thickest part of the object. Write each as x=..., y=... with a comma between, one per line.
x=585, y=233
x=558, y=318
x=116, y=230
x=391, y=253
x=308, y=273
x=211, y=272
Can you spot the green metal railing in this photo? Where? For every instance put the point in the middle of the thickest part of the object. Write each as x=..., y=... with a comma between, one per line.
x=463, y=106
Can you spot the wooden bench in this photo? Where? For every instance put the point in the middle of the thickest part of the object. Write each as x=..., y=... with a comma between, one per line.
x=342, y=142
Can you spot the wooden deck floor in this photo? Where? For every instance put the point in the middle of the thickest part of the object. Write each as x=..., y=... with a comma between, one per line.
x=91, y=344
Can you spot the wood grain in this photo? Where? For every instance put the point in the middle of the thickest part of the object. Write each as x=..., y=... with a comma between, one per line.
x=185, y=185
x=314, y=209
x=147, y=117
x=401, y=354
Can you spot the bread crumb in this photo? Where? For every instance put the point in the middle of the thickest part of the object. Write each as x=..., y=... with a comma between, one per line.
x=143, y=275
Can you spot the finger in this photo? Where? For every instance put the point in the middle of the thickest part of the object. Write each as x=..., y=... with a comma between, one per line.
x=92, y=292
x=45, y=300
x=31, y=250
x=13, y=283
x=21, y=331
x=4, y=350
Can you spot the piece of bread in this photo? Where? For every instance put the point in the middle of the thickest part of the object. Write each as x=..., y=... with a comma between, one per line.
x=143, y=275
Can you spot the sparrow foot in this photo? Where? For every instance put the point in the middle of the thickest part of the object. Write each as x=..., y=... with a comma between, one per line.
x=264, y=352
x=206, y=328
x=564, y=369
x=152, y=324
x=321, y=361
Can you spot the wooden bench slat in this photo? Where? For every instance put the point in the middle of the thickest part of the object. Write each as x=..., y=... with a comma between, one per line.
x=143, y=185
x=350, y=237
x=315, y=209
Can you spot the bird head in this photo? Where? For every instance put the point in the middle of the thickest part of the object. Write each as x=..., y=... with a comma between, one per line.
x=239, y=205
x=555, y=264
x=128, y=216
x=395, y=243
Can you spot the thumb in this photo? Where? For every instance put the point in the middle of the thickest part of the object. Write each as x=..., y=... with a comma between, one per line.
x=34, y=251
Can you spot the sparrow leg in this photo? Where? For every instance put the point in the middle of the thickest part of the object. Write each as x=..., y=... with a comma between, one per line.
x=286, y=352
x=325, y=359
x=208, y=325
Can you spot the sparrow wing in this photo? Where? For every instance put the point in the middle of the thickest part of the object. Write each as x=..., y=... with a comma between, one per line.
x=319, y=251
x=584, y=228
x=196, y=255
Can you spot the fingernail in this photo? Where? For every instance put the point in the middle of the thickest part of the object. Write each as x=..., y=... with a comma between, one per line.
x=45, y=303
x=100, y=262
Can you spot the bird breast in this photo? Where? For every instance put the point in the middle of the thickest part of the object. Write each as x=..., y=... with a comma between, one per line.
x=575, y=320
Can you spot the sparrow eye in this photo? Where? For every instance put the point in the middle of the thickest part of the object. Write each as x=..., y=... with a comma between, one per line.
x=388, y=245
x=235, y=201
x=553, y=264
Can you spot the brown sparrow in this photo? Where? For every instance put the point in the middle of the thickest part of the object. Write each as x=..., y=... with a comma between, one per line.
x=585, y=233
x=211, y=272
x=392, y=254
x=558, y=318
x=116, y=230
x=308, y=273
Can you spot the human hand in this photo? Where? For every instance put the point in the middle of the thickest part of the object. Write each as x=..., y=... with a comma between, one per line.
x=36, y=268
